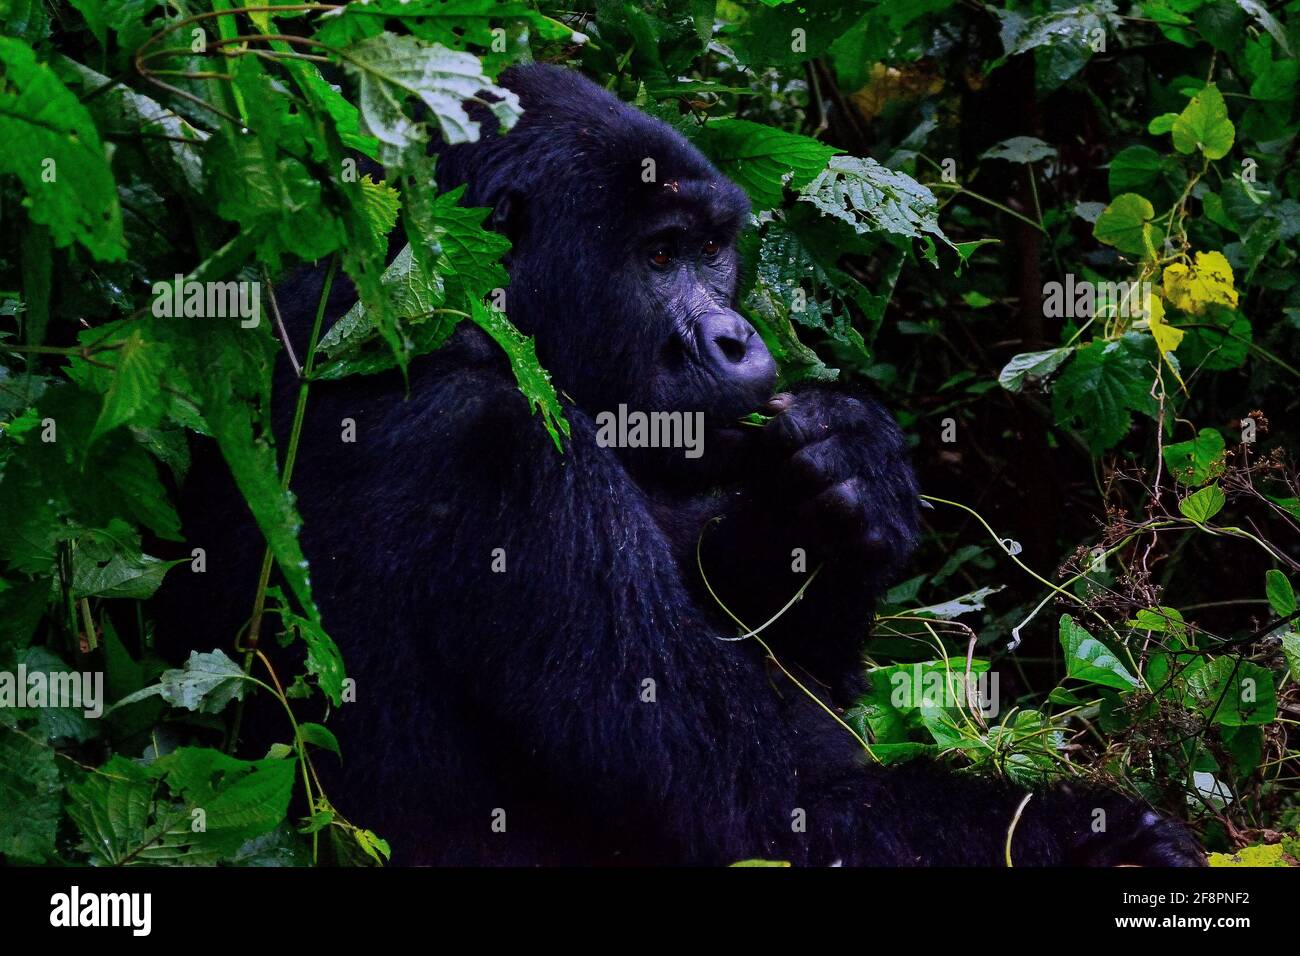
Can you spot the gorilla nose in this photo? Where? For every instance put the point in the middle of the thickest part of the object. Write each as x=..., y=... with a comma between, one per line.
x=735, y=350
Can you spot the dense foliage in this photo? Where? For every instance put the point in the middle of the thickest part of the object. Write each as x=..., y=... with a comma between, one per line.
x=1061, y=238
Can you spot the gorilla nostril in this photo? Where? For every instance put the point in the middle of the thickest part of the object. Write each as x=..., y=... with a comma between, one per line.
x=732, y=349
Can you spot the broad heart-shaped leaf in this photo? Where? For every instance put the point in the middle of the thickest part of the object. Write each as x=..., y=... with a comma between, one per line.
x=533, y=380
x=52, y=146
x=1204, y=125
x=1126, y=225
x=1236, y=692
x=873, y=198
x=1203, y=505
x=1031, y=366
x=1020, y=149
x=1281, y=596
x=1087, y=658
x=1207, y=282
x=1102, y=385
x=391, y=69
x=763, y=160
x=1198, y=460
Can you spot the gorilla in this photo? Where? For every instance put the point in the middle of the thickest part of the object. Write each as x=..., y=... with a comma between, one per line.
x=546, y=647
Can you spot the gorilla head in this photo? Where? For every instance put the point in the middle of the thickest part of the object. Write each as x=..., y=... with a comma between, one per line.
x=624, y=262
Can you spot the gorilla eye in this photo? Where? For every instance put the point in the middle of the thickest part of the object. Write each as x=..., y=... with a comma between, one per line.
x=661, y=257
x=712, y=248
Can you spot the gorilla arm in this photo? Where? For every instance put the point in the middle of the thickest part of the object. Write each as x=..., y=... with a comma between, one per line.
x=595, y=654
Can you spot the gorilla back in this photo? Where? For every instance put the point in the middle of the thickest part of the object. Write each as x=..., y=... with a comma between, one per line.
x=541, y=675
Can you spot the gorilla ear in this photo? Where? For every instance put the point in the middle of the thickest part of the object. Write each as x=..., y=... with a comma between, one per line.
x=508, y=214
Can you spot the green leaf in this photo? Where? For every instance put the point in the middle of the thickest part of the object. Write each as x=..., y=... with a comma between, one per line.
x=52, y=146
x=1281, y=596
x=1020, y=149
x=1126, y=225
x=874, y=199
x=1203, y=505
x=533, y=380
x=1031, y=367
x=1102, y=385
x=392, y=68
x=1162, y=124
x=763, y=160
x=1196, y=461
x=30, y=797
x=1204, y=125
x=797, y=279
x=744, y=863
x=206, y=684
x=1236, y=693
x=136, y=383
x=1141, y=170
x=250, y=797
x=1088, y=659
x=1263, y=855
x=318, y=735
x=1291, y=651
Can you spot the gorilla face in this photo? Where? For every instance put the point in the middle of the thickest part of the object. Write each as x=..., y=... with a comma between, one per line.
x=682, y=271
x=624, y=264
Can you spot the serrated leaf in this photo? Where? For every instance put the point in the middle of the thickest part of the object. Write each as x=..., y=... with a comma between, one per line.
x=136, y=383
x=1102, y=385
x=52, y=146
x=533, y=380
x=873, y=198
x=30, y=798
x=392, y=68
x=379, y=204
x=206, y=683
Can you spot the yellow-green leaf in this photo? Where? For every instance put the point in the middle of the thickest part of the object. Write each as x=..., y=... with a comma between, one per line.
x=1208, y=282
x=1204, y=125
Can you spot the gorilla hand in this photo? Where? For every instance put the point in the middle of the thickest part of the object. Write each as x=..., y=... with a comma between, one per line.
x=843, y=470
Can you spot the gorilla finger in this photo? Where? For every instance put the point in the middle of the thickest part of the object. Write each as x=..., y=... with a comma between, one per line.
x=839, y=506
x=800, y=424
x=819, y=464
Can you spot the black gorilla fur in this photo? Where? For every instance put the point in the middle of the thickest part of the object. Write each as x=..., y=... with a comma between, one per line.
x=523, y=690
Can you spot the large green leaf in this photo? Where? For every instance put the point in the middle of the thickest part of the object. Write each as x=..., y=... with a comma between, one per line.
x=391, y=69
x=1102, y=385
x=1088, y=659
x=52, y=146
x=29, y=798
x=1204, y=125
x=763, y=160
